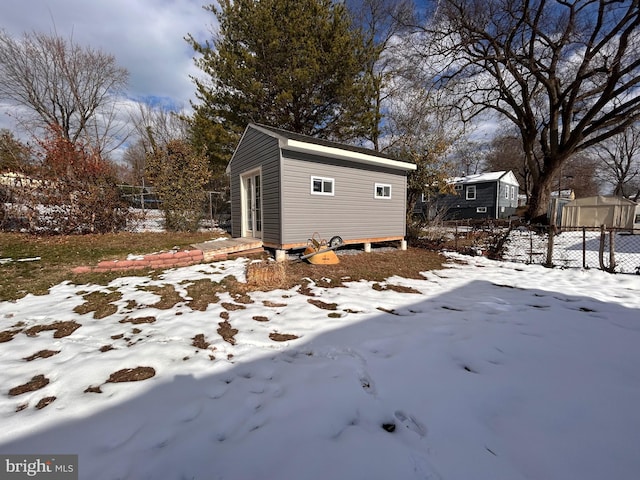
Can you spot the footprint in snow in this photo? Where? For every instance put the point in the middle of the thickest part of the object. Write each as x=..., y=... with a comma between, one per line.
x=410, y=422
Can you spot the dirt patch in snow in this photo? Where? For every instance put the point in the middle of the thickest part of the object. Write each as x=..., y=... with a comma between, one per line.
x=62, y=329
x=8, y=335
x=227, y=332
x=41, y=354
x=199, y=342
x=323, y=305
x=131, y=375
x=282, y=337
x=36, y=383
x=100, y=303
x=138, y=320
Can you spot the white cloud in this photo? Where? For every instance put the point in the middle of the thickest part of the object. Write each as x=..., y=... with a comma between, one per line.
x=145, y=36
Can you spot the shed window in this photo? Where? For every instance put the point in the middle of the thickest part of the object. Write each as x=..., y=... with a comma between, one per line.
x=382, y=190
x=322, y=186
x=471, y=192
x=513, y=192
x=458, y=187
x=506, y=192
x=481, y=209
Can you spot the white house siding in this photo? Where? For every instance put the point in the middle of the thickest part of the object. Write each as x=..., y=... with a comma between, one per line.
x=352, y=212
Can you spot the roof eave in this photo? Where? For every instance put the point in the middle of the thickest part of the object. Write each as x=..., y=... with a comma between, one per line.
x=333, y=152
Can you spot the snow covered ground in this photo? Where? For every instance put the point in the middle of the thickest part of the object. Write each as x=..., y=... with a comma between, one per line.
x=483, y=370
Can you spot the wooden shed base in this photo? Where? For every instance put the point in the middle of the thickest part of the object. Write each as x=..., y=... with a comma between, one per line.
x=357, y=241
x=281, y=250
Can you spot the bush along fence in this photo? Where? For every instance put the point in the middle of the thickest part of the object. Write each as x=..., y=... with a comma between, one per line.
x=610, y=249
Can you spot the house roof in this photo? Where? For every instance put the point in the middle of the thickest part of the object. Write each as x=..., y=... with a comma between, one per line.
x=504, y=176
x=306, y=144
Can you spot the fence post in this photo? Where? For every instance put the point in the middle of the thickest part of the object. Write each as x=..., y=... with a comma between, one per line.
x=612, y=257
x=552, y=231
x=584, y=247
x=601, y=249
x=530, y=246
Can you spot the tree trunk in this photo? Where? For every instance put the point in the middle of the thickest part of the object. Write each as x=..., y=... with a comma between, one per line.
x=539, y=200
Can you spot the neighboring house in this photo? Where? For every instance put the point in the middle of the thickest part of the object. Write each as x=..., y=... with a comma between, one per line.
x=612, y=212
x=286, y=186
x=480, y=196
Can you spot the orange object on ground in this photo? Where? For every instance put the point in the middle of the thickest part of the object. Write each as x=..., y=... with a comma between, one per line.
x=328, y=257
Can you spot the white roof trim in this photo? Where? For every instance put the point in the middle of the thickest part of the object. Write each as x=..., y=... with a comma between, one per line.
x=298, y=146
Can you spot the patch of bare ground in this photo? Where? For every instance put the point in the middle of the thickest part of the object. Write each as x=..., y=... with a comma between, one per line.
x=202, y=293
x=199, y=342
x=224, y=315
x=92, y=389
x=8, y=335
x=62, y=329
x=268, y=303
x=282, y=337
x=232, y=306
x=242, y=298
x=374, y=266
x=227, y=332
x=45, y=402
x=322, y=305
x=41, y=354
x=131, y=375
x=106, y=348
x=260, y=318
x=395, y=288
x=36, y=383
x=169, y=298
x=100, y=303
x=138, y=320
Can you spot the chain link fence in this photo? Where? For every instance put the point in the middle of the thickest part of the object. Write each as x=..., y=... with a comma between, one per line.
x=609, y=249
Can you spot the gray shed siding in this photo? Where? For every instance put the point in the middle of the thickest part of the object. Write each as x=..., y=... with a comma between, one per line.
x=352, y=212
x=257, y=150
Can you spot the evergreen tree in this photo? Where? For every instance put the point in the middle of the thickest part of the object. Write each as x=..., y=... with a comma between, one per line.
x=293, y=64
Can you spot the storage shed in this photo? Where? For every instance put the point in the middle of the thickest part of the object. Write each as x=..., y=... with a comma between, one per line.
x=612, y=212
x=286, y=186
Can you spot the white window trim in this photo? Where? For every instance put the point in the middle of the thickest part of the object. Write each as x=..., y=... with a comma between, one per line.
x=470, y=188
x=481, y=209
x=513, y=192
x=323, y=180
x=383, y=185
x=506, y=192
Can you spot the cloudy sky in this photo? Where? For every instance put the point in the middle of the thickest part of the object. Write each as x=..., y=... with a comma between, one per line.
x=145, y=36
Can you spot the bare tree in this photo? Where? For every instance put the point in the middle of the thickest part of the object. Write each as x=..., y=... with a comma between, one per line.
x=59, y=83
x=619, y=159
x=380, y=22
x=564, y=72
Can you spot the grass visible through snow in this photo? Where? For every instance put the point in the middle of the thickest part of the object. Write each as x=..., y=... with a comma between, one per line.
x=59, y=254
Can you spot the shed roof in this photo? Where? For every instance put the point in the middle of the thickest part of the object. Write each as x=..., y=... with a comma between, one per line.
x=318, y=146
x=600, y=200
